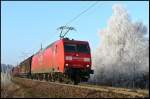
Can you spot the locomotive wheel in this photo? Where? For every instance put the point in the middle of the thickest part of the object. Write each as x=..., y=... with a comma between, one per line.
x=53, y=77
x=50, y=77
x=76, y=79
x=67, y=79
x=60, y=77
x=46, y=77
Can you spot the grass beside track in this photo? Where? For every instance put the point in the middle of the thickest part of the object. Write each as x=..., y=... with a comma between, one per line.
x=33, y=89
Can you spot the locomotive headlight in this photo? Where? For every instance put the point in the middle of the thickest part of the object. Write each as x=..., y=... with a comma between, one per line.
x=87, y=65
x=68, y=57
x=66, y=64
x=86, y=59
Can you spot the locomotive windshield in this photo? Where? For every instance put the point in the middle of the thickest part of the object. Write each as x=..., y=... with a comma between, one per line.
x=70, y=47
x=82, y=48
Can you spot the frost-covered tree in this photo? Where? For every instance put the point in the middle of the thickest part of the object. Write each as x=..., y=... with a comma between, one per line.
x=124, y=51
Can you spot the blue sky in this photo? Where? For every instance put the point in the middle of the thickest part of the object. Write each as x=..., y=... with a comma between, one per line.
x=25, y=25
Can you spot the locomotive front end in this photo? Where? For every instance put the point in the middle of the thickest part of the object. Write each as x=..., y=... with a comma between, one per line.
x=78, y=59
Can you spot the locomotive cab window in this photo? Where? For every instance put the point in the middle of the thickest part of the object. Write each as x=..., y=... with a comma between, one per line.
x=83, y=48
x=70, y=47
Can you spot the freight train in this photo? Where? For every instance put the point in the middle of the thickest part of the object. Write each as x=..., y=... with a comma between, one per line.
x=63, y=60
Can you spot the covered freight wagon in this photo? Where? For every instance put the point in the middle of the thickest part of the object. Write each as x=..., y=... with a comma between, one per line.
x=15, y=71
x=25, y=67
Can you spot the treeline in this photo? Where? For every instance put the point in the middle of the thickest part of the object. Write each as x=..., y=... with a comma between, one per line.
x=137, y=80
x=6, y=68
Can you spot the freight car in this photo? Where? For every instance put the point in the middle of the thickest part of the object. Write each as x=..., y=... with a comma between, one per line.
x=15, y=71
x=25, y=67
x=61, y=60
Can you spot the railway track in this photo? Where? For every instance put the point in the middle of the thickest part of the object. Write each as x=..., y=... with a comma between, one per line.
x=124, y=91
x=82, y=90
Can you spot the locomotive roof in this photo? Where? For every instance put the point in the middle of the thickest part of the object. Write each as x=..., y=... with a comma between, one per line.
x=64, y=39
x=45, y=48
x=68, y=40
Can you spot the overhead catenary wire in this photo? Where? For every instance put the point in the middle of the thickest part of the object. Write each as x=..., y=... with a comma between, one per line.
x=81, y=13
x=66, y=26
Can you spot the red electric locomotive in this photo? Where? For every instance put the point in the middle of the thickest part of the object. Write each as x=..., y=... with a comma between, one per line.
x=68, y=57
x=62, y=59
